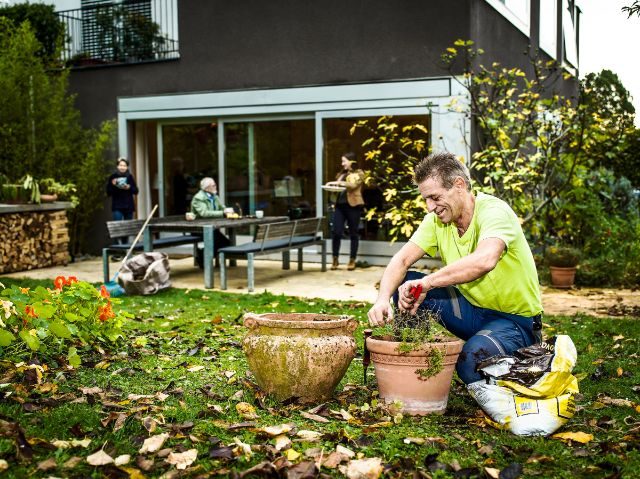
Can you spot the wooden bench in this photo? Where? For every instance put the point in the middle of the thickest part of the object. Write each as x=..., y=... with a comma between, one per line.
x=273, y=238
x=127, y=228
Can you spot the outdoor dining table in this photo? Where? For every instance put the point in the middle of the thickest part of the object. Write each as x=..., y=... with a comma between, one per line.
x=204, y=227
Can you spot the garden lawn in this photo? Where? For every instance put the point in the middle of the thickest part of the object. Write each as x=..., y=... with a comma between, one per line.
x=181, y=372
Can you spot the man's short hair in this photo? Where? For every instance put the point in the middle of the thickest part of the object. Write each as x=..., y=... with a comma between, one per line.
x=206, y=182
x=443, y=165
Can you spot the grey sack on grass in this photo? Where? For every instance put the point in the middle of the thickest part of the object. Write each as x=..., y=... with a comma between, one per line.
x=145, y=273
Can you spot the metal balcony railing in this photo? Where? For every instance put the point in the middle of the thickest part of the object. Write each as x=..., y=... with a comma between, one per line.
x=127, y=31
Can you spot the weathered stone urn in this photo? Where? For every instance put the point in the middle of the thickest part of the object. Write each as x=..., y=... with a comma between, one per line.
x=299, y=355
x=401, y=375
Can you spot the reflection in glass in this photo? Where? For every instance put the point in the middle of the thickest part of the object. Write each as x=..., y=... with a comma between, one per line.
x=338, y=139
x=190, y=153
x=270, y=166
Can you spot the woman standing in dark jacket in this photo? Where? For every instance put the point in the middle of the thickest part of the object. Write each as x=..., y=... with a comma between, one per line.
x=121, y=187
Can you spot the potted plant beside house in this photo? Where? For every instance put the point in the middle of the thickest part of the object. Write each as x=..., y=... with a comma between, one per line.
x=563, y=263
x=414, y=359
x=27, y=190
x=52, y=190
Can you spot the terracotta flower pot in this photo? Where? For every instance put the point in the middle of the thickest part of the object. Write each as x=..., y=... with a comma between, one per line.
x=404, y=376
x=44, y=198
x=562, y=277
x=299, y=355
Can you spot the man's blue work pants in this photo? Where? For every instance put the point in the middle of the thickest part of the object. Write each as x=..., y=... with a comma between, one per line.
x=486, y=332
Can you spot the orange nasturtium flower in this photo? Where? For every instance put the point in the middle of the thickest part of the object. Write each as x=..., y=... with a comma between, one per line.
x=59, y=282
x=106, y=312
x=30, y=311
x=24, y=290
x=104, y=292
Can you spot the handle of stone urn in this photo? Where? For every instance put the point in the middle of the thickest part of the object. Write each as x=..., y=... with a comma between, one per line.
x=250, y=320
x=352, y=325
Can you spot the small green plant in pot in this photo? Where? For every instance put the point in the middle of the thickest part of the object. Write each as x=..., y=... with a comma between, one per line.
x=414, y=359
x=563, y=262
x=52, y=190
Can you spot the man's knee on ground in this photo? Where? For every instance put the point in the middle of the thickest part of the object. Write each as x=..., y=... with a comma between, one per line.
x=475, y=350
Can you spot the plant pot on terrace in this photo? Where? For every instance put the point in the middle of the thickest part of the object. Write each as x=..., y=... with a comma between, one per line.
x=300, y=356
x=563, y=264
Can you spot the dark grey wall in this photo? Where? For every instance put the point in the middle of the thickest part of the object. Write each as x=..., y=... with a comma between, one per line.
x=265, y=44
x=501, y=41
x=281, y=43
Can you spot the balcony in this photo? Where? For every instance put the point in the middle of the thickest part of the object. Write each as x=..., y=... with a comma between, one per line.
x=117, y=32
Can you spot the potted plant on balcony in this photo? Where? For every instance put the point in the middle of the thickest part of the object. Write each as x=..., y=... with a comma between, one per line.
x=414, y=359
x=563, y=262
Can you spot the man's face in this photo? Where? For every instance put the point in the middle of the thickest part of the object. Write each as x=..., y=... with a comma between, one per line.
x=212, y=188
x=445, y=203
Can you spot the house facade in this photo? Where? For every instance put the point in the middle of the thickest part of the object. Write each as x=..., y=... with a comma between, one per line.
x=262, y=95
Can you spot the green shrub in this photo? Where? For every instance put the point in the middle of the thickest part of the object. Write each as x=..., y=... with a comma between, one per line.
x=48, y=28
x=40, y=130
x=57, y=322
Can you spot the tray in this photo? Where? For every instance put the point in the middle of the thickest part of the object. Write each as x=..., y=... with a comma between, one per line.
x=334, y=188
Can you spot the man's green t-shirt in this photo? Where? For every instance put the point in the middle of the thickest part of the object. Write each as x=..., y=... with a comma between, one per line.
x=512, y=286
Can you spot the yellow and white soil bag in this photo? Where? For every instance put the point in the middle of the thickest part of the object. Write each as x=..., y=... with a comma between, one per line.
x=531, y=392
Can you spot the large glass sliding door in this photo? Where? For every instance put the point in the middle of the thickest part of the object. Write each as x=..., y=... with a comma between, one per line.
x=270, y=166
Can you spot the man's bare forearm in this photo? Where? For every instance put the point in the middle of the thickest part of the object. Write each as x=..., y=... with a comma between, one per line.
x=469, y=268
x=391, y=278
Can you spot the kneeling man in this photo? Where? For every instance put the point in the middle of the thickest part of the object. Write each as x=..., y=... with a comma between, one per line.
x=487, y=293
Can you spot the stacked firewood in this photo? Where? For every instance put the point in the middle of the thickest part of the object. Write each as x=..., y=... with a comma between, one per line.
x=33, y=240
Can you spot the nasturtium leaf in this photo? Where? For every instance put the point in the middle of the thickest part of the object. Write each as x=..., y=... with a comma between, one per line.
x=30, y=339
x=43, y=330
x=40, y=291
x=6, y=337
x=68, y=299
x=84, y=294
x=44, y=311
x=71, y=316
x=58, y=328
x=73, y=358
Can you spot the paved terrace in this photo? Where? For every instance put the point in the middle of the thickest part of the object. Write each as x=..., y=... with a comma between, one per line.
x=343, y=285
